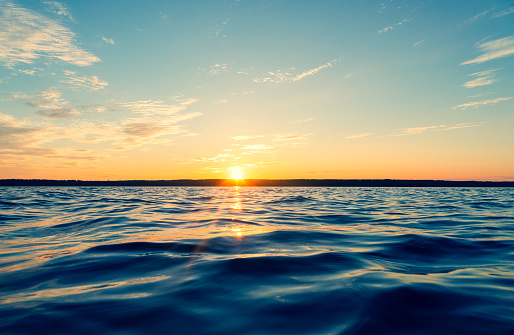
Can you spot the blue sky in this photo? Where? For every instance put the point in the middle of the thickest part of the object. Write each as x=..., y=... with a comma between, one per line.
x=282, y=89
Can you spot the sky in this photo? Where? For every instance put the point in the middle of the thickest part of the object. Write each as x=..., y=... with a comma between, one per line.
x=282, y=89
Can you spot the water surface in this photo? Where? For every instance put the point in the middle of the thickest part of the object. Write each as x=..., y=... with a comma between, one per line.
x=256, y=260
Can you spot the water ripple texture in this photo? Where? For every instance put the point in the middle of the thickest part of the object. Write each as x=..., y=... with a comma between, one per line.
x=243, y=260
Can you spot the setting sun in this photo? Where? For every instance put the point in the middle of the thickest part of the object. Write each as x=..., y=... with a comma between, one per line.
x=236, y=173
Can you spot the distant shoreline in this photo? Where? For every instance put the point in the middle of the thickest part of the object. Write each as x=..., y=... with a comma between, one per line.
x=259, y=183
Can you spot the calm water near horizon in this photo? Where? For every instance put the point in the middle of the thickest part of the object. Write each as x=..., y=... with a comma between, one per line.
x=237, y=260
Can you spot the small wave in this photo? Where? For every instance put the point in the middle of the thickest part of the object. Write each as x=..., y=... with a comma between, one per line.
x=266, y=266
x=420, y=249
x=139, y=247
x=290, y=199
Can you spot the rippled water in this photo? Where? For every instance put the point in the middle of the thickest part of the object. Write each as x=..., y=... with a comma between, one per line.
x=256, y=260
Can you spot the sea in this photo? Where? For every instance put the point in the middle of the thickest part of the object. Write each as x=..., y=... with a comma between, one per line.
x=245, y=260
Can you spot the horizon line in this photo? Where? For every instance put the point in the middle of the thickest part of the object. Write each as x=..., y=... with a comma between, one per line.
x=261, y=182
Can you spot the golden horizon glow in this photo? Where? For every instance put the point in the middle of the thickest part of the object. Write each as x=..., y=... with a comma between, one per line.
x=236, y=173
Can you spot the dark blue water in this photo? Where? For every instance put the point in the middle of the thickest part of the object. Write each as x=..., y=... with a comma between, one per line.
x=256, y=261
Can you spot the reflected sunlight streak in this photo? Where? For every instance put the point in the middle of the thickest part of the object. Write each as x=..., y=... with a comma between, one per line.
x=237, y=200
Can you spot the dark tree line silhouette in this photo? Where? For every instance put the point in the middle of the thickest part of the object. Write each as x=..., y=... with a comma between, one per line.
x=261, y=183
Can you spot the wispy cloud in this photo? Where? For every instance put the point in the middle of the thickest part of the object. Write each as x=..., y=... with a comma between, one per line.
x=245, y=137
x=153, y=122
x=149, y=129
x=243, y=93
x=222, y=101
x=479, y=95
x=358, y=135
x=420, y=130
x=418, y=43
x=130, y=133
x=157, y=119
x=393, y=26
x=490, y=14
x=483, y=78
x=260, y=164
x=26, y=36
x=281, y=77
x=28, y=72
x=51, y=103
x=478, y=16
x=508, y=11
x=156, y=107
x=289, y=137
x=417, y=130
x=90, y=83
x=59, y=113
x=218, y=69
x=22, y=140
x=25, y=140
x=475, y=104
x=349, y=75
x=499, y=48
x=58, y=9
x=215, y=69
x=217, y=30
x=219, y=158
x=461, y=125
x=212, y=169
x=106, y=40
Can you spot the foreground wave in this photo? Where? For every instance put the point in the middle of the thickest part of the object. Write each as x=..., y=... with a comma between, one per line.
x=256, y=260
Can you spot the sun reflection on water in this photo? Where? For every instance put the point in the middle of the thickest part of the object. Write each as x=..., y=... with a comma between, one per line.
x=238, y=231
x=237, y=199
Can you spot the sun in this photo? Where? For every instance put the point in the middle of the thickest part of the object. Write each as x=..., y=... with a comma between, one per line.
x=236, y=173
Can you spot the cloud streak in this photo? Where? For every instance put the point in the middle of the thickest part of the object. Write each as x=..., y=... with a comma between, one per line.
x=289, y=137
x=26, y=36
x=475, y=104
x=22, y=141
x=483, y=78
x=418, y=43
x=90, y=83
x=156, y=107
x=219, y=158
x=58, y=9
x=358, y=135
x=287, y=77
x=51, y=103
x=478, y=16
x=420, y=130
x=147, y=130
x=393, y=26
x=498, y=48
x=107, y=40
x=508, y=11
